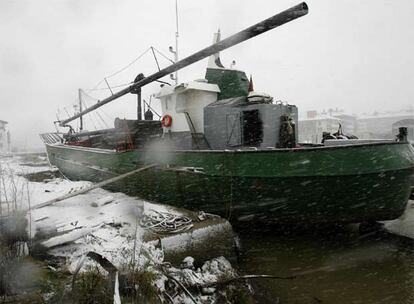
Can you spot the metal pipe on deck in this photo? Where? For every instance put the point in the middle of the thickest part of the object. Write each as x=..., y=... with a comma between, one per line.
x=250, y=32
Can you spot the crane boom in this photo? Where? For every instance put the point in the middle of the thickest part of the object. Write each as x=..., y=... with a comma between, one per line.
x=250, y=32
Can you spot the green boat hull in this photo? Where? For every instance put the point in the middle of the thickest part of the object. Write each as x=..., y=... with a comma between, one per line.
x=340, y=184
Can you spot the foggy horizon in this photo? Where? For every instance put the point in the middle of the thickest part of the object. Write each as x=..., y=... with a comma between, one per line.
x=350, y=55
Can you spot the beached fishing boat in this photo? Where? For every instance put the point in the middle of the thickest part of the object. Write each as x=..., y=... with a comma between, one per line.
x=223, y=148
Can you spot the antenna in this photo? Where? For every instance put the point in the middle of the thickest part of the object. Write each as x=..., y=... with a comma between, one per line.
x=175, y=52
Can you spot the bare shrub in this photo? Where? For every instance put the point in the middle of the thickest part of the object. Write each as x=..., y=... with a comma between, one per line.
x=93, y=286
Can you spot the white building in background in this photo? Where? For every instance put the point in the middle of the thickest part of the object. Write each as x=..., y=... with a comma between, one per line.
x=4, y=138
x=312, y=127
x=349, y=122
x=385, y=125
x=372, y=126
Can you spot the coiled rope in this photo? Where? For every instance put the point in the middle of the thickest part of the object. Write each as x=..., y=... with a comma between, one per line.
x=165, y=222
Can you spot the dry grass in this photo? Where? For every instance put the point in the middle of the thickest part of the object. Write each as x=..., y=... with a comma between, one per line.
x=138, y=286
x=92, y=287
x=13, y=224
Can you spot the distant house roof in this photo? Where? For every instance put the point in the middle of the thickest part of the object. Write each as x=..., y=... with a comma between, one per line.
x=388, y=115
x=320, y=117
x=344, y=115
x=403, y=123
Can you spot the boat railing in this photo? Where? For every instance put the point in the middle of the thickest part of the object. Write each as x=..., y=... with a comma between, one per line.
x=342, y=142
x=52, y=138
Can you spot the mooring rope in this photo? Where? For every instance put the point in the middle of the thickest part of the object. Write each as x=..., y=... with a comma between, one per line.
x=165, y=222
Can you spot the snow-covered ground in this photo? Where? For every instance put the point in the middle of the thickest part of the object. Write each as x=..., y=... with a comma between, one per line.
x=404, y=225
x=108, y=224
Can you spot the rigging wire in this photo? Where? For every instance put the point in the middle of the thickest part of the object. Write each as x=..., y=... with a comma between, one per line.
x=156, y=59
x=94, y=87
x=90, y=116
x=104, y=122
x=110, y=87
x=119, y=71
x=109, y=117
x=64, y=108
x=151, y=48
x=165, y=56
x=91, y=97
x=97, y=88
x=151, y=108
x=98, y=122
x=129, y=64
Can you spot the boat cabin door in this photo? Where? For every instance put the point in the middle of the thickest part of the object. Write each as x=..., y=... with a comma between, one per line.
x=233, y=132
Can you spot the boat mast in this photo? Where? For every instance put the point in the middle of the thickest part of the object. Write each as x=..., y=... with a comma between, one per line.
x=250, y=32
x=80, y=110
x=139, y=108
x=138, y=93
x=175, y=52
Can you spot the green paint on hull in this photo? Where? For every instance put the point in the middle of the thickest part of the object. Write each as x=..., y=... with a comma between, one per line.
x=309, y=186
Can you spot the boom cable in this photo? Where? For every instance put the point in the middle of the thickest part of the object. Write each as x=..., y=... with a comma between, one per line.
x=151, y=108
x=90, y=116
x=165, y=56
x=129, y=64
x=156, y=59
x=110, y=87
x=111, y=118
x=95, y=88
x=98, y=118
x=151, y=48
x=104, y=122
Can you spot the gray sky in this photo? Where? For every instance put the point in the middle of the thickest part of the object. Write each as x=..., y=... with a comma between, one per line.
x=352, y=54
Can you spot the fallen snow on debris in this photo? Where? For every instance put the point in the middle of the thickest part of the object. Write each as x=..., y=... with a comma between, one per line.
x=100, y=221
x=108, y=224
x=201, y=281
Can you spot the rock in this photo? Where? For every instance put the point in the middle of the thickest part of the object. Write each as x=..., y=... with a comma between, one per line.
x=188, y=263
x=208, y=290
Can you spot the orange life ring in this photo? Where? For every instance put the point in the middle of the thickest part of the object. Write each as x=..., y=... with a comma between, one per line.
x=166, y=121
